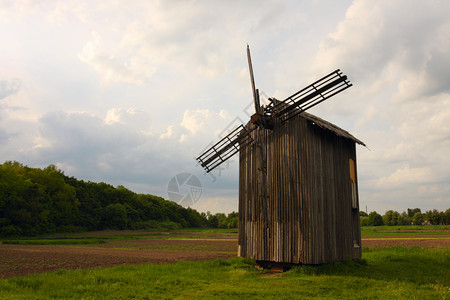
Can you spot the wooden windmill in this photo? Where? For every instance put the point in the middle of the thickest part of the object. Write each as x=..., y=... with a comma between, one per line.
x=298, y=196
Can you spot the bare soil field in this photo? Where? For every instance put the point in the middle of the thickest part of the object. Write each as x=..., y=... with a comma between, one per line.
x=18, y=260
x=426, y=241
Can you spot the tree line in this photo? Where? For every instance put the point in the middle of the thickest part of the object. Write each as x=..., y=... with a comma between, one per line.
x=413, y=216
x=36, y=201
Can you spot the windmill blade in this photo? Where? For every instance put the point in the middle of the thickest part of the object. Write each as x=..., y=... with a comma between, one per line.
x=310, y=96
x=252, y=80
x=225, y=148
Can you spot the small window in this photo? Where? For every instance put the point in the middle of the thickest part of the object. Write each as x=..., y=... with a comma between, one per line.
x=352, y=170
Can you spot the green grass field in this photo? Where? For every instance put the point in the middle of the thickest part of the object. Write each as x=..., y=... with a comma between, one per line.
x=86, y=238
x=405, y=230
x=383, y=273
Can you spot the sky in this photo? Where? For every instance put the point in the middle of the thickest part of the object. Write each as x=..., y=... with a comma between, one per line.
x=130, y=92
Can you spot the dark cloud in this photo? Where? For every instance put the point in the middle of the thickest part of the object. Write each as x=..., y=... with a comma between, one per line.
x=87, y=147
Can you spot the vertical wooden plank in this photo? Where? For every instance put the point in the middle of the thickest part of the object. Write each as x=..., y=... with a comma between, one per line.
x=305, y=214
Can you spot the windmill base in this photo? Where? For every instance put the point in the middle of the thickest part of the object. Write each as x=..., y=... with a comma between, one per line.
x=275, y=266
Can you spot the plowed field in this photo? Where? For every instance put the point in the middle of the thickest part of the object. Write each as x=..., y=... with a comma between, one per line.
x=138, y=248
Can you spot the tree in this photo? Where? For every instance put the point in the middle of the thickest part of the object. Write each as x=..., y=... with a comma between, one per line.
x=223, y=222
x=412, y=212
x=417, y=219
x=233, y=219
x=37, y=201
x=403, y=219
x=433, y=217
x=391, y=217
x=363, y=214
x=364, y=221
x=116, y=216
x=375, y=219
x=213, y=221
x=446, y=217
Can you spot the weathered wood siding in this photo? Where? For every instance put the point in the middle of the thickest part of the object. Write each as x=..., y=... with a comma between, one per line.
x=295, y=196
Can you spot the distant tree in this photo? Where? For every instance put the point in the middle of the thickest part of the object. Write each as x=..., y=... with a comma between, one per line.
x=116, y=216
x=391, y=217
x=213, y=221
x=204, y=219
x=446, y=217
x=417, y=219
x=433, y=217
x=37, y=201
x=412, y=212
x=363, y=214
x=223, y=222
x=233, y=219
x=193, y=218
x=364, y=221
x=403, y=219
x=375, y=219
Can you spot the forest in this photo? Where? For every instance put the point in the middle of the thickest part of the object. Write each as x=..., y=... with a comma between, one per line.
x=413, y=216
x=36, y=201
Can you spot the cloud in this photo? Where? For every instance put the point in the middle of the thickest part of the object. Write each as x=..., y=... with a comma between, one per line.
x=118, y=148
x=198, y=38
x=400, y=99
x=86, y=143
x=169, y=133
x=132, y=93
x=378, y=38
x=135, y=69
x=9, y=87
x=4, y=136
x=131, y=117
x=200, y=119
x=407, y=175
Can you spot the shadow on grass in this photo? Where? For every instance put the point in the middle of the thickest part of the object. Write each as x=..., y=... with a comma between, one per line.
x=414, y=264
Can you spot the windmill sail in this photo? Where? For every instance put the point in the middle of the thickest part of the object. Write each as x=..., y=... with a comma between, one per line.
x=310, y=96
x=252, y=80
x=225, y=148
x=319, y=91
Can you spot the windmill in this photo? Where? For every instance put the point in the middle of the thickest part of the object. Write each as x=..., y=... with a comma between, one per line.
x=298, y=200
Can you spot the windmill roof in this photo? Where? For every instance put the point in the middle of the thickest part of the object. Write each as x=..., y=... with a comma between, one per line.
x=330, y=126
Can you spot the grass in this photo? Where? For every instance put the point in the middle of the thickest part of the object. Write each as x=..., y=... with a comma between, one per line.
x=406, y=230
x=202, y=234
x=56, y=241
x=91, y=238
x=383, y=273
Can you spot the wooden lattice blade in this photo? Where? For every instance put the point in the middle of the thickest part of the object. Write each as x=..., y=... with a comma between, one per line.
x=224, y=149
x=310, y=96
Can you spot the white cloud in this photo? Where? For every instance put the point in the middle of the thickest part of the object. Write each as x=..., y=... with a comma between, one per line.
x=135, y=69
x=169, y=133
x=202, y=120
x=132, y=92
x=399, y=102
x=406, y=175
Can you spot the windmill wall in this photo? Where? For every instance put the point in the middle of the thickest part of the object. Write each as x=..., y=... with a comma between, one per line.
x=298, y=199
